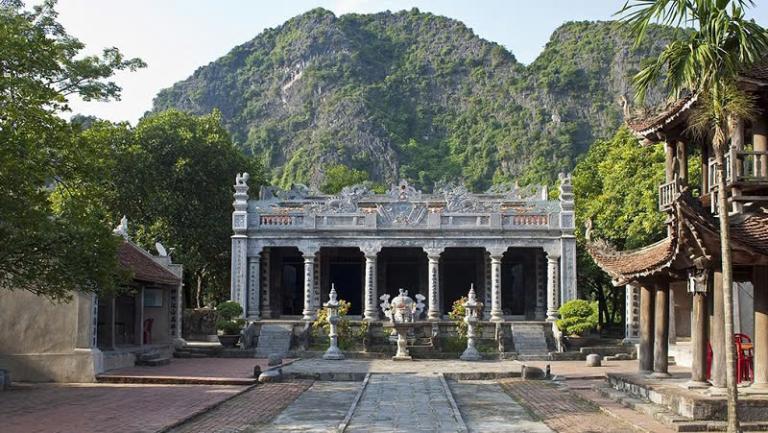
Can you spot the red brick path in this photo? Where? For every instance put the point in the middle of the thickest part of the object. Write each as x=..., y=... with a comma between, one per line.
x=100, y=408
x=562, y=410
x=256, y=406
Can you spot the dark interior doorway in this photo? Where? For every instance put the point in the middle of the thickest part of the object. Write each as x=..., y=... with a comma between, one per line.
x=460, y=269
x=292, y=285
x=403, y=268
x=348, y=280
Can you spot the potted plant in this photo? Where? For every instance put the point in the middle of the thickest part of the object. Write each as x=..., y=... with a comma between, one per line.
x=229, y=323
x=577, y=317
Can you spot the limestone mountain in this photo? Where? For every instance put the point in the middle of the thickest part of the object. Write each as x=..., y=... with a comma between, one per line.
x=415, y=95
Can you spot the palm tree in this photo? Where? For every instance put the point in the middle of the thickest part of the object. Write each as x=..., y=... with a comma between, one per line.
x=706, y=60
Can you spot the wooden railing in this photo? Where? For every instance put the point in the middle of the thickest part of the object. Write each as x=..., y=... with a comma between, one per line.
x=741, y=166
x=667, y=194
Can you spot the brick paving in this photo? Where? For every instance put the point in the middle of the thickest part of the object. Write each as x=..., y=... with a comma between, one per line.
x=101, y=408
x=251, y=408
x=562, y=410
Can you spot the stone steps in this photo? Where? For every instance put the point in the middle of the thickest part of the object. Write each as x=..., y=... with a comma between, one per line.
x=664, y=415
x=530, y=339
x=153, y=359
x=274, y=338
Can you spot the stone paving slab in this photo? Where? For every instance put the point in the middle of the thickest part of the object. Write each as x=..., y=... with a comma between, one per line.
x=405, y=403
x=318, y=410
x=356, y=369
x=103, y=408
x=485, y=407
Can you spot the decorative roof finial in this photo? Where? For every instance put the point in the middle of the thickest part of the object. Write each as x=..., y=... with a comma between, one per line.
x=122, y=228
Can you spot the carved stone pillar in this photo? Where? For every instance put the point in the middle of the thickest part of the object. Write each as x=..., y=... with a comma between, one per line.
x=540, y=312
x=632, y=314
x=266, y=264
x=433, y=257
x=254, y=288
x=370, y=313
x=239, y=280
x=497, y=315
x=310, y=311
x=553, y=287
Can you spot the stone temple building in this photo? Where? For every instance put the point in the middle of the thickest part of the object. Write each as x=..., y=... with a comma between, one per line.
x=513, y=244
x=675, y=286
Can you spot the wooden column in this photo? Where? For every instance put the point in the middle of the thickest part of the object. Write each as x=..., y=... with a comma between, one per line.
x=669, y=158
x=760, y=142
x=682, y=161
x=699, y=321
x=661, y=332
x=645, y=352
x=717, y=332
x=760, y=284
x=705, y=168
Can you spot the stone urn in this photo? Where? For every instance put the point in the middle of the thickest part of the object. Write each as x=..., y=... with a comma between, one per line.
x=402, y=313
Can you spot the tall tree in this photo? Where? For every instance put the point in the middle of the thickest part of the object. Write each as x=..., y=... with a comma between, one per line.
x=707, y=60
x=172, y=177
x=54, y=230
x=615, y=187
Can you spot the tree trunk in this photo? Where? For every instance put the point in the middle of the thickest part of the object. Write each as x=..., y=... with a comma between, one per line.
x=199, y=291
x=725, y=242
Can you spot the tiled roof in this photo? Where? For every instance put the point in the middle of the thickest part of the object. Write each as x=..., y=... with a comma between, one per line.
x=694, y=230
x=624, y=266
x=753, y=231
x=142, y=266
x=647, y=126
x=758, y=72
x=651, y=124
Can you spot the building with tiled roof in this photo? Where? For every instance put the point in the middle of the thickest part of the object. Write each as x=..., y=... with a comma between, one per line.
x=75, y=341
x=685, y=268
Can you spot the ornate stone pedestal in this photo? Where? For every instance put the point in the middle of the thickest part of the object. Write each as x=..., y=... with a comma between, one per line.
x=333, y=352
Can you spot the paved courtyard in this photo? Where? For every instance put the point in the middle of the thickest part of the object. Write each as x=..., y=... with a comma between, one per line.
x=392, y=398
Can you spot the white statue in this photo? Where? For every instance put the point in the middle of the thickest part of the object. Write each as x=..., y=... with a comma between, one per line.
x=122, y=228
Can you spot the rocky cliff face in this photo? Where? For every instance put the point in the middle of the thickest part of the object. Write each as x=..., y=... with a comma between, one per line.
x=415, y=95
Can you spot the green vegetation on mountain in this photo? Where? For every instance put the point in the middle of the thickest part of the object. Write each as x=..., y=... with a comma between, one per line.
x=415, y=95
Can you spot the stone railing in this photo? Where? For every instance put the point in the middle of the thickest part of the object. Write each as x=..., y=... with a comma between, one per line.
x=281, y=220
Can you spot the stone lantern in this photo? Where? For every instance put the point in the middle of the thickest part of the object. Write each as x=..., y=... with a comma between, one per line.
x=472, y=310
x=333, y=352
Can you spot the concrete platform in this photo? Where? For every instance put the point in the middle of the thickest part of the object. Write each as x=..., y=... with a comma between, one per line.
x=690, y=404
x=200, y=371
x=356, y=369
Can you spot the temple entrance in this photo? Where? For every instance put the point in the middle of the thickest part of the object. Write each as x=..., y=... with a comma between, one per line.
x=288, y=280
x=403, y=268
x=518, y=281
x=344, y=269
x=460, y=268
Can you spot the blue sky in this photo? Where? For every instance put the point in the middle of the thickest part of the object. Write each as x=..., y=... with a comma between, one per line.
x=175, y=37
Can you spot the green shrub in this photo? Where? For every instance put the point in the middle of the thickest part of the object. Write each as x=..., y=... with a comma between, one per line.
x=577, y=317
x=457, y=315
x=229, y=310
x=230, y=322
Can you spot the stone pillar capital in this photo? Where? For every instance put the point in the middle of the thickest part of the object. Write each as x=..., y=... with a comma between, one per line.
x=496, y=252
x=309, y=252
x=370, y=251
x=434, y=253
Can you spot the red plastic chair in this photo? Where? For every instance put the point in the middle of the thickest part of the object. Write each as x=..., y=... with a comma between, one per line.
x=148, y=330
x=744, y=358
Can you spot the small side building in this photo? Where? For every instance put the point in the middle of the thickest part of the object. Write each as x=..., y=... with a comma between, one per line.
x=42, y=341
